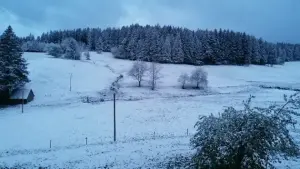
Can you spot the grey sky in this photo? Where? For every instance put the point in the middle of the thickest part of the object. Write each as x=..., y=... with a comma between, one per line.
x=274, y=20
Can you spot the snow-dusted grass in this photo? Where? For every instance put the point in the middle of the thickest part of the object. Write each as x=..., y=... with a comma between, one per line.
x=151, y=125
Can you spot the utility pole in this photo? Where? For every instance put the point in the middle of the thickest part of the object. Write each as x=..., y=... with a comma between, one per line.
x=114, y=88
x=115, y=129
x=71, y=81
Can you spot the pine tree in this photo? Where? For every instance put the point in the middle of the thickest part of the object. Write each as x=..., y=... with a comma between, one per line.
x=281, y=53
x=263, y=52
x=208, y=52
x=254, y=51
x=199, y=48
x=272, y=57
x=296, y=52
x=245, y=49
x=177, y=52
x=140, y=51
x=99, y=45
x=106, y=41
x=13, y=67
x=166, y=51
x=131, y=48
x=187, y=40
x=90, y=39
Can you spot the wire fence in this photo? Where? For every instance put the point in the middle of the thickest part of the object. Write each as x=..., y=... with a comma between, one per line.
x=55, y=145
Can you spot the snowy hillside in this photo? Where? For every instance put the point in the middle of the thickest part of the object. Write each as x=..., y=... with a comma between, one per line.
x=151, y=125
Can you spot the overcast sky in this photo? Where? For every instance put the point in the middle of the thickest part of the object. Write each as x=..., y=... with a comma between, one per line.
x=274, y=20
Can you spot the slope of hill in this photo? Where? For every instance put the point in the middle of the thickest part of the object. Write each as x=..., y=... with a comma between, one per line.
x=151, y=125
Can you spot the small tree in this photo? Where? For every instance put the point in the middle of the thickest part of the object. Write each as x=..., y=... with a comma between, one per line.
x=87, y=55
x=138, y=71
x=154, y=74
x=54, y=50
x=199, y=77
x=71, y=49
x=248, y=138
x=99, y=45
x=183, y=78
x=118, y=52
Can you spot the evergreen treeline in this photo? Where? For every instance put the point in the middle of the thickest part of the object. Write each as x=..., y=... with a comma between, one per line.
x=169, y=44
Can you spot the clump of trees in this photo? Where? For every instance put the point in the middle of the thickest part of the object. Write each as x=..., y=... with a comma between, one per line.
x=140, y=69
x=198, y=77
x=13, y=67
x=54, y=50
x=34, y=46
x=69, y=49
x=248, y=138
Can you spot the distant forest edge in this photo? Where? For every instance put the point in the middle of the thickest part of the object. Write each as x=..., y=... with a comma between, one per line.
x=168, y=44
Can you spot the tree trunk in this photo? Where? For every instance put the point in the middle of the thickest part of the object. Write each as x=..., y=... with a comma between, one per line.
x=153, y=83
x=139, y=83
x=239, y=158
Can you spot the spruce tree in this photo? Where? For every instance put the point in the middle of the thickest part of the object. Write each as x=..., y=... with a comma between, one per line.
x=166, y=51
x=99, y=45
x=177, y=52
x=13, y=67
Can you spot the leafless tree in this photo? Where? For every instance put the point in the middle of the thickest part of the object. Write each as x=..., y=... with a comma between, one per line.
x=199, y=77
x=154, y=74
x=138, y=71
x=183, y=78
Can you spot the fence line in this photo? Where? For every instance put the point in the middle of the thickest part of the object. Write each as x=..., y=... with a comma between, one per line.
x=53, y=148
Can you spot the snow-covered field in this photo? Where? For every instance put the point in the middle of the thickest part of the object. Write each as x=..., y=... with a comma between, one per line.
x=151, y=125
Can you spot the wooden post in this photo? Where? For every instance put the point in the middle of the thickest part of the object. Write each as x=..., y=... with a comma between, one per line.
x=154, y=135
x=187, y=132
x=115, y=132
x=22, y=100
x=71, y=82
x=50, y=144
x=86, y=141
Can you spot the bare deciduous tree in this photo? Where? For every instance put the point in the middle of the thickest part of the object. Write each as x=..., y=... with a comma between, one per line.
x=183, y=78
x=138, y=71
x=199, y=77
x=154, y=74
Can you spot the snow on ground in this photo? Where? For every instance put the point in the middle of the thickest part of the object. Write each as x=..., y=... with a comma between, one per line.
x=151, y=125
